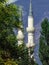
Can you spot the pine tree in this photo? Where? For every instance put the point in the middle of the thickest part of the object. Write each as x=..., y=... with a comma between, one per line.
x=44, y=42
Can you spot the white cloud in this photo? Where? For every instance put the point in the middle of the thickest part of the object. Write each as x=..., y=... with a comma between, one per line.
x=11, y=1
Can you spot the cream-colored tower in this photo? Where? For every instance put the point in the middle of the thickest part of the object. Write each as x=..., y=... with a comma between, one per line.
x=30, y=28
x=20, y=35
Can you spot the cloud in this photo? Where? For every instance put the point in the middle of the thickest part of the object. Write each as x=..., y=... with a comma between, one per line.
x=11, y=1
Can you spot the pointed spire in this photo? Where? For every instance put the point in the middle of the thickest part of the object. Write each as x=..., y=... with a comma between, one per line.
x=20, y=12
x=30, y=10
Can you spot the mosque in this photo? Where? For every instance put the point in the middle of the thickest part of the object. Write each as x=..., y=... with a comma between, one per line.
x=29, y=30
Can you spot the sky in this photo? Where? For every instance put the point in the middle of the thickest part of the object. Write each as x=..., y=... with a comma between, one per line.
x=40, y=11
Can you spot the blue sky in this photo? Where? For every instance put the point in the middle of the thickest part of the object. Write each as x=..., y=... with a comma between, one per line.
x=40, y=11
x=40, y=8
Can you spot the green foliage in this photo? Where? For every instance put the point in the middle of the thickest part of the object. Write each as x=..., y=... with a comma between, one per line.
x=23, y=55
x=2, y=1
x=10, y=52
x=44, y=42
x=10, y=62
x=9, y=19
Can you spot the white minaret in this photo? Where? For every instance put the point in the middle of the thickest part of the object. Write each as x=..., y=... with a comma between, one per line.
x=30, y=28
x=20, y=35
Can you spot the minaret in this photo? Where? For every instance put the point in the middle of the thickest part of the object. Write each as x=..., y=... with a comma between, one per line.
x=30, y=28
x=20, y=35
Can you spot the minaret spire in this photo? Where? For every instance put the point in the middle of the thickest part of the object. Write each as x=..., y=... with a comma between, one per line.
x=20, y=35
x=30, y=28
x=30, y=10
x=20, y=12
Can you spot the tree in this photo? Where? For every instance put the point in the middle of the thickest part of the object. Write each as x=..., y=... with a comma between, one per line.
x=2, y=1
x=9, y=19
x=23, y=56
x=10, y=52
x=44, y=42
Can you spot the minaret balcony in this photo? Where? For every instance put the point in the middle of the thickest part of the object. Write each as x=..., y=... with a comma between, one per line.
x=20, y=37
x=31, y=29
x=29, y=45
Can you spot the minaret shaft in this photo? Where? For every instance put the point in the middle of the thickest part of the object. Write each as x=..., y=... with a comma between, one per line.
x=30, y=38
x=30, y=21
x=30, y=28
x=20, y=35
